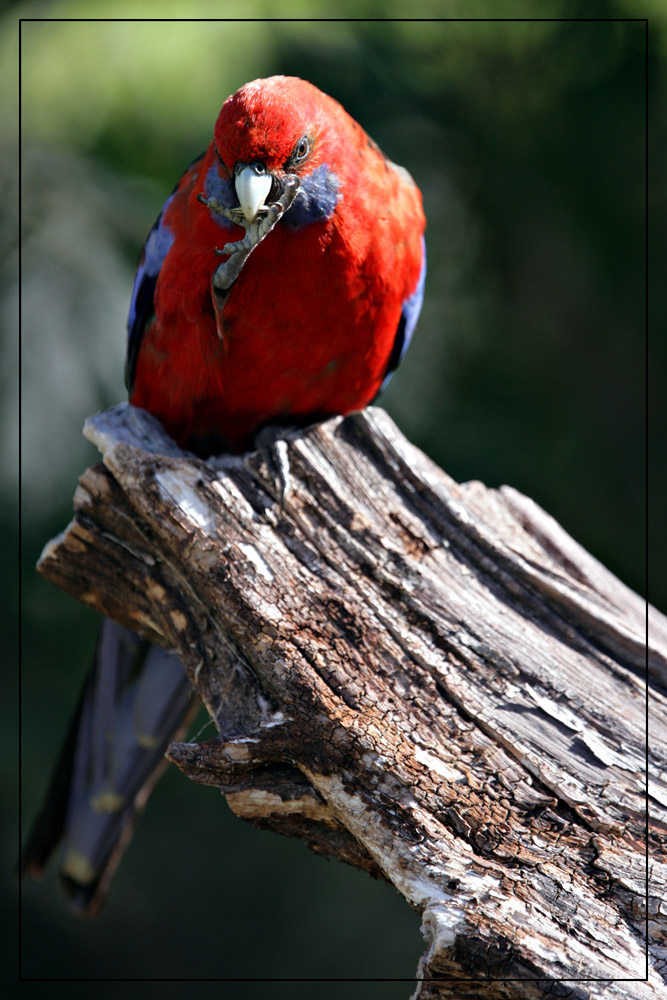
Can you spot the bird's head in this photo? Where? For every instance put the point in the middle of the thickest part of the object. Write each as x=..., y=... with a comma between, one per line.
x=271, y=128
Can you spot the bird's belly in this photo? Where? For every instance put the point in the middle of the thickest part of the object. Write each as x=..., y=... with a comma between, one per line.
x=270, y=372
x=306, y=347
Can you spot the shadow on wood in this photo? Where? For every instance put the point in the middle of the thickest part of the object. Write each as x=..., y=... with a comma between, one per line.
x=431, y=681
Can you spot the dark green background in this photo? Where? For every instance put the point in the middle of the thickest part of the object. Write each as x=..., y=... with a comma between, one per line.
x=528, y=368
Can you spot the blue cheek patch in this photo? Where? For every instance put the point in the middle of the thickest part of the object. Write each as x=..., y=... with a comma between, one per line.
x=407, y=323
x=315, y=202
x=223, y=191
x=316, y=199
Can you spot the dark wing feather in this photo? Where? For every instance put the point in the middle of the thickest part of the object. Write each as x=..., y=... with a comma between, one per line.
x=142, y=309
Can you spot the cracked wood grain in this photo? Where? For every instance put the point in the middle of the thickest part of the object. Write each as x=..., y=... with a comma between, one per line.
x=431, y=681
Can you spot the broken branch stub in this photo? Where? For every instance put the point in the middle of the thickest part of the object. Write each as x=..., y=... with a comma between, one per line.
x=431, y=681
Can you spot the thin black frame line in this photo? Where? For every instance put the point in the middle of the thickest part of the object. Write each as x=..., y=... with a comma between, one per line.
x=646, y=205
x=20, y=494
x=329, y=20
x=351, y=979
x=646, y=524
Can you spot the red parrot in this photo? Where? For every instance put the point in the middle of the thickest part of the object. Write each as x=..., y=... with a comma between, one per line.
x=281, y=283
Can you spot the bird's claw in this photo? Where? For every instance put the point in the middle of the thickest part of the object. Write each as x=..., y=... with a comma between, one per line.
x=271, y=445
x=234, y=215
x=255, y=231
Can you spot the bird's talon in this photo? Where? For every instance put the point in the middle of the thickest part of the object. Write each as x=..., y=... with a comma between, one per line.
x=271, y=444
x=255, y=231
x=234, y=215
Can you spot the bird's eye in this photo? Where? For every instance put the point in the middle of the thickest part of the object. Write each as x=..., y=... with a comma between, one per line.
x=301, y=149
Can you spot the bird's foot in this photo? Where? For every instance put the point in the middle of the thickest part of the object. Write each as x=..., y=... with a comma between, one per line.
x=268, y=216
x=255, y=232
x=234, y=214
x=271, y=446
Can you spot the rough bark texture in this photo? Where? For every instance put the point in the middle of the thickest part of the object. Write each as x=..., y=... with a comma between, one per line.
x=431, y=681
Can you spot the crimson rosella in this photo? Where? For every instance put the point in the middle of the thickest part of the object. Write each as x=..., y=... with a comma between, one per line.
x=281, y=283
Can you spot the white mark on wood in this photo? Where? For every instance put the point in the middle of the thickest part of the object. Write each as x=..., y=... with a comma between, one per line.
x=440, y=925
x=277, y=719
x=601, y=748
x=197, y=671
x=658, y=791
x=403, y=865
x=438, y=766
x=50, y=548
x=358, y=522
x=540, y=946
x=609, y=756
x=179, y=620
x=561, y=713
x=237, y=752
x=173, y=486
x=255, y=558
x=372, y=759
x=258, y=802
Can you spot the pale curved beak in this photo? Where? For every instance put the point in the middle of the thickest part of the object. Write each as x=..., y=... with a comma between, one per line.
x=252, y=188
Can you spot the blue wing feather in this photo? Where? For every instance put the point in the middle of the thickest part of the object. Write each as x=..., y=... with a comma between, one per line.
x=407, y=323
x=142, y=310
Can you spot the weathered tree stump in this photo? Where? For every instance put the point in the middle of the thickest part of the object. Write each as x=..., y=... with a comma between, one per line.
x=431, y=681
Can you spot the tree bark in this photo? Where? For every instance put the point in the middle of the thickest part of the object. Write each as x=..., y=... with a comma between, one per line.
x=430, y=681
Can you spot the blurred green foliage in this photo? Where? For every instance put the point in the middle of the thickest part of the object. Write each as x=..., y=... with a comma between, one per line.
x=527, y=139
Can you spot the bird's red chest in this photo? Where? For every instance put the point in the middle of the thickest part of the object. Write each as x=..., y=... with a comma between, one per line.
x=303, y=330
x=305, y=333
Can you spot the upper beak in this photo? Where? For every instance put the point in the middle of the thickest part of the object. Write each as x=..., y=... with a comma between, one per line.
x=252, y=185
